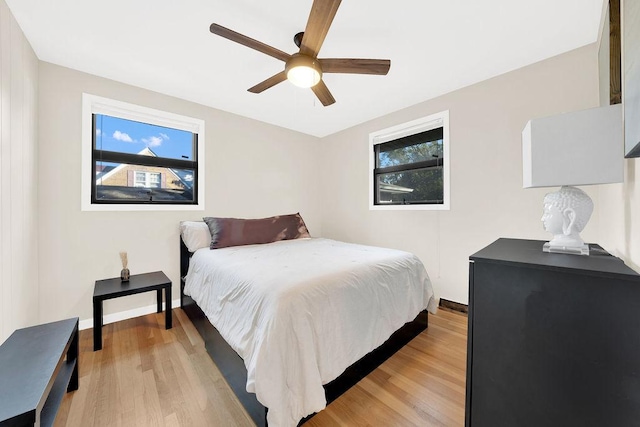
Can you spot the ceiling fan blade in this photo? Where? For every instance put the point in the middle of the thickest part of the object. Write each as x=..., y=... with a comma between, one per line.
x=270, y=82
x=249, y=42
x=322, y=92
x=320, y=18
x=355, y=66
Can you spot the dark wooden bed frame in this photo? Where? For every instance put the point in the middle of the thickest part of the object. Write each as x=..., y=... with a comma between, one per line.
x=232, y=366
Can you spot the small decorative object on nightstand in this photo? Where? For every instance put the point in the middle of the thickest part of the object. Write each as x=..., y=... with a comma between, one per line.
x=124, y=273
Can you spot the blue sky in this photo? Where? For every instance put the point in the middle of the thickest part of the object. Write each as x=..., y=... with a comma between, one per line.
x=126, y=136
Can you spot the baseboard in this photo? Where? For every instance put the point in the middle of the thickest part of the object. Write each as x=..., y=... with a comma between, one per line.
x=455, y=306
x=123, y=315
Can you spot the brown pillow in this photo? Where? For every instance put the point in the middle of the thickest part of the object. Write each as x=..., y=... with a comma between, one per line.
x=227, y=232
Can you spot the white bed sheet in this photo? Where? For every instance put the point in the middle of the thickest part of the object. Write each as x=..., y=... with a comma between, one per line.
x=299, y=312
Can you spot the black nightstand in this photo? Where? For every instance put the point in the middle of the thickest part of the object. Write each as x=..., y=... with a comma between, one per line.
x=138, y=283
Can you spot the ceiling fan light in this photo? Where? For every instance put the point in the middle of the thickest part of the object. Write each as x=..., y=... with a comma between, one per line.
x=303, y=71
x=303, y=76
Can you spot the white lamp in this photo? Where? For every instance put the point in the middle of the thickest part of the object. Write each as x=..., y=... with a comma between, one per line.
x=578, y=148
x=303, y=71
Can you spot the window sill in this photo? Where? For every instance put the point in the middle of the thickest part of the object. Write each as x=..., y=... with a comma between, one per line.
x=134, y=208
x=444, y=207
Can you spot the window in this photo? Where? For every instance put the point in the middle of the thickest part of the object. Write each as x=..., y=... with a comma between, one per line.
x=136, y=158
x=409, y=165
x=147, y=179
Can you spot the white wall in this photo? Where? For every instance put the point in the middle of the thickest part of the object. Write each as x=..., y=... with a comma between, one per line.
x=487, y=199
x=619, y=206
x=253, y=169
x=619, y=210
x=18, y=178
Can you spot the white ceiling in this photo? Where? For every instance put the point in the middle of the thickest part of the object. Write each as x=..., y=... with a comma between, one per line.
x=435, y=46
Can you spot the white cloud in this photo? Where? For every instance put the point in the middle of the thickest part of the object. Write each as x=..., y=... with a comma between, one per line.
x=121, y=136
x=188, y=177
x=98, y=132
x=153, y=141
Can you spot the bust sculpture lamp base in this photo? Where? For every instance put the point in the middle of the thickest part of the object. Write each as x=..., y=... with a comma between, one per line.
x=566, y=212
x=575, y=250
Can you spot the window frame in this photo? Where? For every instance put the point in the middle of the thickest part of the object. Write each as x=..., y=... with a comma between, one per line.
x=147, y=179
x=91, y=105
x=413, y=127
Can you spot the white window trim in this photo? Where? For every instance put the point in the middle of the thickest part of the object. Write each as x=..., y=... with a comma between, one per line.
x=92, y=104
x=415, y=126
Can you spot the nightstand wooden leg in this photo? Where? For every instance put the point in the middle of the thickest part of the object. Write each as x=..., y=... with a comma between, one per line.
x=159, y=297
x=97, y=325
x=168, y=317
x=72, y=356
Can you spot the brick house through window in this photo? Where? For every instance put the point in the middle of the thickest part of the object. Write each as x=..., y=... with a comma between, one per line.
x=125, y=176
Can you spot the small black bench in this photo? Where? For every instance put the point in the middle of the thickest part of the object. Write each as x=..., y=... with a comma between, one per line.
x=34, y=373
x=138, y=283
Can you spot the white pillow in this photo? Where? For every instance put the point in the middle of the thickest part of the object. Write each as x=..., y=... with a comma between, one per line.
x=195, y=235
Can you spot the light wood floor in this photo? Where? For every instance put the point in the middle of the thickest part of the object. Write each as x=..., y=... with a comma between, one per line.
x=148, y=376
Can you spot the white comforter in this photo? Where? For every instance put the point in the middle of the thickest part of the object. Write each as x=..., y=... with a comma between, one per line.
x=299, y=312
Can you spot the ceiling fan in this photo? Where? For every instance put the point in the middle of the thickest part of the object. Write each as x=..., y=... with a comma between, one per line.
x=304, y=68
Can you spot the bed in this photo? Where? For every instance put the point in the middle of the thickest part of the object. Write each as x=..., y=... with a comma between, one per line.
x=298, y=322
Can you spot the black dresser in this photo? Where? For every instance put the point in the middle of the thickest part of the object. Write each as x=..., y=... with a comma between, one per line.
x=554, y=339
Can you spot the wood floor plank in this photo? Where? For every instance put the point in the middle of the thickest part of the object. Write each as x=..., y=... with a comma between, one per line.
x=187, y=332
x=146, y=375
x=151, y=400
x=394, y=400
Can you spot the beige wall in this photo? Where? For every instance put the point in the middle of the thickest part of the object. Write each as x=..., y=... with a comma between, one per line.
x=253, y=169
x=619, y=210
x=619, y=206
x=18, y=178
x=487, y=198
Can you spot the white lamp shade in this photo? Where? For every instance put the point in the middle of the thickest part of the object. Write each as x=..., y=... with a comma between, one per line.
x=577, y=148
